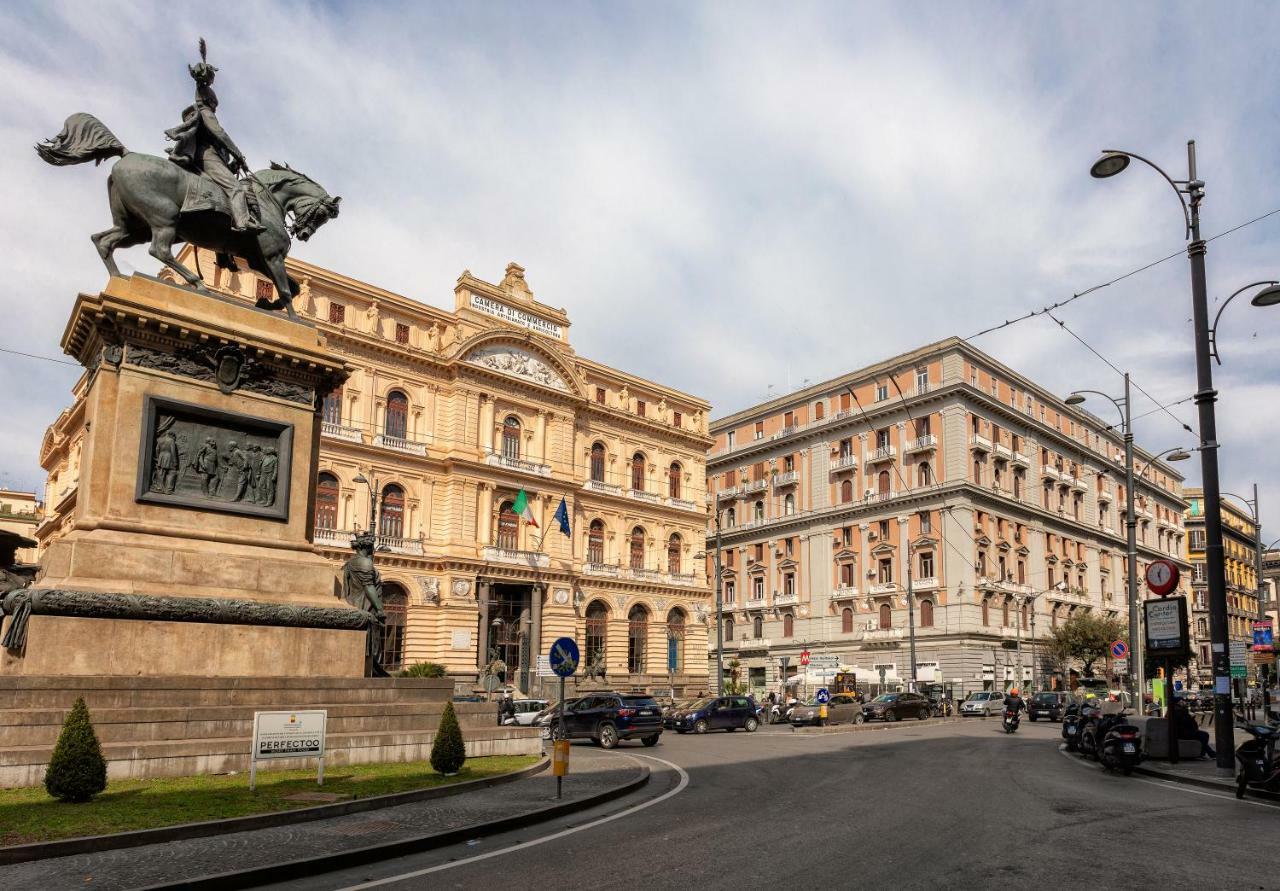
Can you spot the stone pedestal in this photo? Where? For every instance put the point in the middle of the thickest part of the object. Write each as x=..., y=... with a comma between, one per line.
x=200, y=440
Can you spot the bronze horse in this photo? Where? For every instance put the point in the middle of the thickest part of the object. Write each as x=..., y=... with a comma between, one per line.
x=147, y=194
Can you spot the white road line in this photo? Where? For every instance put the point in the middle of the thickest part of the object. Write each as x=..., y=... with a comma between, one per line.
x=680, y=787
x=1174, y=786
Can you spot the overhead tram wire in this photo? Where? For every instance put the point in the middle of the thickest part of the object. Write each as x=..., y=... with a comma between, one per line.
x=34, y=356
x=1159, y=405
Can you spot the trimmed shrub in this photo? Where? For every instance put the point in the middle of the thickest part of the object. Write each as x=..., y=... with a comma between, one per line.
x=77, y=771
x=448, y=751
x=424, y=670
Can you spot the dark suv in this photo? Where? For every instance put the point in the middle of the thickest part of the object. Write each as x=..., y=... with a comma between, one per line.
x=1051, y=706
x=716, y=713
x=607, y=718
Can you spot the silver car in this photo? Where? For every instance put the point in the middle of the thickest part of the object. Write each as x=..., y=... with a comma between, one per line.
x=844, y=708
x=986, y=703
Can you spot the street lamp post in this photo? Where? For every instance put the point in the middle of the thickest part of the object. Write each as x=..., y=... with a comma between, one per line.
x=1258, y=590
x=905, y=529
x=719, y=608
x=1111, y=163
x=373, y=503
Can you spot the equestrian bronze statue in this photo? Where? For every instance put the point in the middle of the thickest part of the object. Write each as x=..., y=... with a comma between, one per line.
x=197, y=195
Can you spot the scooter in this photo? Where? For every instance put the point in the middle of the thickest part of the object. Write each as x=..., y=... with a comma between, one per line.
x=1094, y=733
x=1259, y=768
x=1071, y=727
x=1121, y=747
x=1011, y=720
x=1087, y=729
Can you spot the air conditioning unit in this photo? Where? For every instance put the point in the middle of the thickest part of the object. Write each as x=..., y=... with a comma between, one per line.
x=868, y=493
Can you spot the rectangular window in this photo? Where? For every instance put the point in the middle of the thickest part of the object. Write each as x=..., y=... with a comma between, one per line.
x=882, y=392
x=883, y=529
x=846, y=575
x=845, y=402
x=922, y=380
x=402, y=332
x=640, y=407
x=676, y=419
x=789, y=584
x=759, y=429
x=791, y=547
x=728, y=592
x=926, y=522
x=600, y=395
x=789, y=419
x=759, y=553
x=757, y=588
x=337, y=313
x=729, y=439
x=926, y=565
x=885, y=573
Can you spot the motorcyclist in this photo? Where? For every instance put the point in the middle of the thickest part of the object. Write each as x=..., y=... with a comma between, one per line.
x=1013, y=702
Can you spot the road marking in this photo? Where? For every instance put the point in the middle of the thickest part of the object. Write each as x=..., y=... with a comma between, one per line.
x=680, y=787
x=1174, y=786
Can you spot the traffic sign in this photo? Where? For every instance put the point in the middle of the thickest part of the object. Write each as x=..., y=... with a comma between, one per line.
x=1162, y=576
x=1239, y=659
x=1120, y=666
x=1119, y=649
x=823, y=696
x=824, y=660
x=804, y=657
x=564, y=657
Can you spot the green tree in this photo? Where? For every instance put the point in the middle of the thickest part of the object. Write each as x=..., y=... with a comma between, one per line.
x=734, y=684
x=424, y=670
x=77, y=771
x=448, y=751
x=1085, y=636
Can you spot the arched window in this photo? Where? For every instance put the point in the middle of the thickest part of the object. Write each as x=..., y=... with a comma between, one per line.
x=846, y=620
x=986, y=611
x=597, y=462
x=757, y=512
x=846, y=491
x=673, y=554
x=397, y=424
x=757, y=627
x=819, y=411
x=637, y=635
x=675, y=641
x=396, y=605
x=595, y=542
x=728, y=628
x=1004, y=612
x=925, y=474
x=327, y=501
x=926, y=613
x=788, y=625
x=637, y=548
x=883, y=482
x=508, y=527
x=331, y=411
x=511, y=438
x=391, y=512
x=637, y=472
x=789, y=505
x=886, y=616
x=597, y=632
x=673, y=479
x=731, y=518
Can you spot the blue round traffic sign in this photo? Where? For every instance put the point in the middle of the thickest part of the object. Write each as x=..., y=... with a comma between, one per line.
x=564, y=656
x=823, y=696
x=1119, y=649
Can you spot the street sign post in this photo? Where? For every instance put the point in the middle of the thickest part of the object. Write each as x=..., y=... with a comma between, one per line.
x=564, y=662
x=804, y=657
x=823, y=696
x=1239, y=659
x=1119, y=649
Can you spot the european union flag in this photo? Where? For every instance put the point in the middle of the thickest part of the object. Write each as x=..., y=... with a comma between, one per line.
x=562, y=517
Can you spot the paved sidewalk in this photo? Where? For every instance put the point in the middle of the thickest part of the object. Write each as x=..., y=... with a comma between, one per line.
x=592, y=772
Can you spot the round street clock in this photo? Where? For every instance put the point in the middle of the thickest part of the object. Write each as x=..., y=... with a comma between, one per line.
x=1162, y=576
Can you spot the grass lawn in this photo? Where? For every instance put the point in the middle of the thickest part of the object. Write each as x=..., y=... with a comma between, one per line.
x=30, y=815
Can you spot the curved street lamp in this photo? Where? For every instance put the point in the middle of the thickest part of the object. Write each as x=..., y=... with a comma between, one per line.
x=373, y=503
x=1267, y=297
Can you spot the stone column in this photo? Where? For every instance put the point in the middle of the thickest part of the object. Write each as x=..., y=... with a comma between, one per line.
x=484, y=514
x=904, y=552
x=485, y=435
x=540, y=438
x=535, y=631
x=482, y=638
x=864, y=563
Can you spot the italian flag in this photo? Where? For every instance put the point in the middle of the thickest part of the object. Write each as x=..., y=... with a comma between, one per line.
x=521, y=509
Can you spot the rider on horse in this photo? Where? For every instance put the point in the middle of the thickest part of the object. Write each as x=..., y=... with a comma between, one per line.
x=204, y=147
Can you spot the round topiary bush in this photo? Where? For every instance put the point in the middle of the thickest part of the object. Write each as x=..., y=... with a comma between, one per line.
x=77, y=771
x=448, y=751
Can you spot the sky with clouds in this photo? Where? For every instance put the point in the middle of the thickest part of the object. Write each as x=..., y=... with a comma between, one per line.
x=803, y=188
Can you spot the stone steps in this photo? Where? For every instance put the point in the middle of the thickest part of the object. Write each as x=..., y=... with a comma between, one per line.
x=178, y=726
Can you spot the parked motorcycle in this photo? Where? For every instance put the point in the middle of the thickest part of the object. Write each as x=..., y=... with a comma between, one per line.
x=1071, y=727
x=1094, y=732
x=780, y=712
x=940, y=708
x=1121, y=747
x=1259, y=768
x=1087, y=728
x=1012, y=717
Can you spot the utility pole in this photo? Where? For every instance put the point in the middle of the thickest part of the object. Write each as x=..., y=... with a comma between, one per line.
x=719, y=612
x=1137, y=669
x=1261, y=592
x=905, y=529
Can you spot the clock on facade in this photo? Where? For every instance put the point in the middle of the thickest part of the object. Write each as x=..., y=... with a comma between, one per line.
x=1162, y=576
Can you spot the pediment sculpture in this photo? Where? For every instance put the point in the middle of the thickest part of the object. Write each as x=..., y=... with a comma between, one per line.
x=517, y=362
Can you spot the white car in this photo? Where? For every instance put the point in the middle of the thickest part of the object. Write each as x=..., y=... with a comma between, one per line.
x=986, y=703
x=526, y=711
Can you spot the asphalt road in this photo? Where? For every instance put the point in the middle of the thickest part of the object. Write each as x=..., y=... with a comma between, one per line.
x=928, y=805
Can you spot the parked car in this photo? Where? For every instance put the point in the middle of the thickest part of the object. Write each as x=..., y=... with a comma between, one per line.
x=669, y=712
x=1050, y=706
x=896, y=706
x=717, y=713
x=525, y=711
x=606, y=719
x=844, y=708
x=984, y=703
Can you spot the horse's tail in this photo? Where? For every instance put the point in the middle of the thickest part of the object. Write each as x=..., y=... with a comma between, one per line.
x=83, y=138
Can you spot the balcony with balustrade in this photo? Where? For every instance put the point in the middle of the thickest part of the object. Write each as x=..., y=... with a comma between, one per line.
x=979, y=443
x=641, y=495
x=727, y=493
x=1003, y=451
x=338, y=431
x=398, y=444
x=531, y=559
x=882, y=588
x=844, y=592
x=882, y=636
x=608, y=570
x=333, y=538
x=602, y=487
x=921, y=444
x=685, y=504
x=925, y=584
x=881, y=454
x=786, y=478
x=752, y=486
x=1019, y=460
x=786, y=599
x=497, y=459
x=845, y=461
x=410, y=546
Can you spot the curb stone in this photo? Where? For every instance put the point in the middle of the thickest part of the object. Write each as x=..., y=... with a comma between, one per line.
x=90, y=844
x=294, y=869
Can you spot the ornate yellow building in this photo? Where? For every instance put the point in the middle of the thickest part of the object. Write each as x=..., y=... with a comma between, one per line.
x=446, y=418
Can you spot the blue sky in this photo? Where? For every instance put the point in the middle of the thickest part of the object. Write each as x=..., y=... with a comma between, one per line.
x=805, y=188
